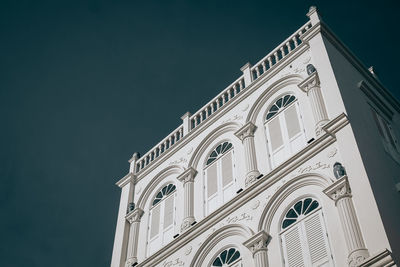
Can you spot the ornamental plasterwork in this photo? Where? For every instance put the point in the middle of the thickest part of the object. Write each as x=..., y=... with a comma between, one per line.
x=245, y=107
x=190, y=150
x=135, y=215
x=255, y=204
x=188, y=250
x=242, y=217
x=339, y=189
x=178, y=161
x=234, y=118
x=317, y=166
x=176, y=262
x=138, y=190
x=332, y=153
x=306, y=60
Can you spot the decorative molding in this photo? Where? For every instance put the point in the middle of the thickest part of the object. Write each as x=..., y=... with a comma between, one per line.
x=135, y=215
x=247, y=130
x=246, y=107
x=187, y=223
x=234, y=118
x=339, y=189
x=312, y=149
x=258, y=242
x=130, y=177
x=189, y=151
x=310, y=82
x=251, y=178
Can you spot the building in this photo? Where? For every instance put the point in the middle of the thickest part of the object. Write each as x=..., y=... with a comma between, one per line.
x=296, y=163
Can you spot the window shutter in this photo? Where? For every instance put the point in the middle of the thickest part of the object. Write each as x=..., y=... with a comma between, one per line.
x=169, y=211
x=317, y=241
x=292, y=247
x=227, y=174
x=155, y=221
x=292, y=121
x=212, y=188
x=275, y=134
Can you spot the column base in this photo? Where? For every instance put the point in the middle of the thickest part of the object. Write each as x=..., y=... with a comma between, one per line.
x=251, y=178
x=318, y=127
x=357, y=257
x=380, y=259
x=187, y=223
x=131, y=262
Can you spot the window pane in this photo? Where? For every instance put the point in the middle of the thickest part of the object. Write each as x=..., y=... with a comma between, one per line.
x=169, y=211
x=227, y=175
x=275, y=134
x=155, y=221
x=212, y=180
x=292, y=121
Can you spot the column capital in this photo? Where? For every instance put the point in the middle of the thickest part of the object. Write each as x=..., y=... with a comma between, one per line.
x=258, y=242
x=246, y=130
x=339, y=189
x=310, y=82
x=187, y=176
x=135, y=215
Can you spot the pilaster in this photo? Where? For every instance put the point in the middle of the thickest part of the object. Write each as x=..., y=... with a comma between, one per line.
x=187, y=178
x=258, y=247
x=134, y=219
x=246, y=135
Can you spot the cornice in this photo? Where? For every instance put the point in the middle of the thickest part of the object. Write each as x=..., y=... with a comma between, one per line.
x=249, y=193
x=322, y=28
x=130, y=177
x=264, y=78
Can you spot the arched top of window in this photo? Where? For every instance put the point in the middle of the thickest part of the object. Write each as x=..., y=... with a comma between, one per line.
x=218, y=151
x=165, y=191
x=299, y=210
x=227, y=256
x=281, y=103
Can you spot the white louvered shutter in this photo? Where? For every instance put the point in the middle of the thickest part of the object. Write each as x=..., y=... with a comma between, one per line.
x=168, y=222
x=155, y=240
x=317, y=240
x=227, y=177
x=295, y=135
x=212, y=188
x=293, y=248
x=276, y=140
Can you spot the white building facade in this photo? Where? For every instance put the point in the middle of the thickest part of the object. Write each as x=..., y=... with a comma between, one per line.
x=296, y=163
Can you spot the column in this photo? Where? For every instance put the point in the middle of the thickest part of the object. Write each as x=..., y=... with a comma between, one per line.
x=311, y=85
x=258, y=246
x=340, y=192
x=246, y=135
x=187, y=178
x=134, y=219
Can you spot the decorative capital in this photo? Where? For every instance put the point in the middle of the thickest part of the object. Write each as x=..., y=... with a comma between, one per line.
x=187, y=223
x=135, y=215
x=188, y=175
x=246, y=131
x=258, y=242
x=310, y=82
x=339, y=189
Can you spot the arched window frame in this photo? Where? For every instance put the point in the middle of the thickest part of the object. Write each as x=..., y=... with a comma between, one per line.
x=165, y=205
x=233, y=259
x=289, y=142
x=307, y=234
x=224, y=192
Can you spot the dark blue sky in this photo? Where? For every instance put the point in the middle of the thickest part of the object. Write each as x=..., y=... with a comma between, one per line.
x=84, y=84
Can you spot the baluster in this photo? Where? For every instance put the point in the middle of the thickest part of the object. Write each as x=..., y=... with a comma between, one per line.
x=264, y=66
x=288, y=47
x=283, y=51
x=295, y=41
x=258, y=72
x=241, y=84
x=269, y=62
x=276, y=57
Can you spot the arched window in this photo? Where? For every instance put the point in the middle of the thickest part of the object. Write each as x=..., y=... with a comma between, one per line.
x=304, y=238
x=284, y=127
x=219, y=176
x=162, y=218
x=229, y=257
